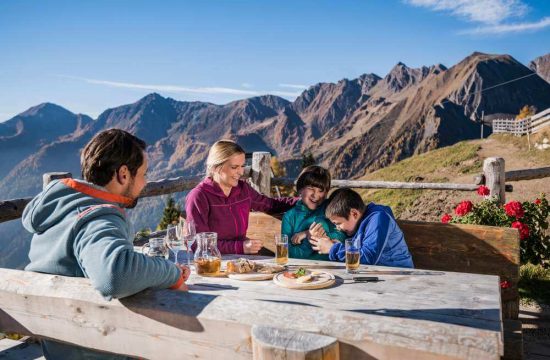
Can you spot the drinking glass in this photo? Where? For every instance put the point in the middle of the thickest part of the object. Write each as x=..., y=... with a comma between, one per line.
x=173, y=240
x=281, y=249
x=187, y=233
x=352, y=256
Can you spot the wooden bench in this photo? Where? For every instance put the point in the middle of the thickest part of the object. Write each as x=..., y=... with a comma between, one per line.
x=450, y=247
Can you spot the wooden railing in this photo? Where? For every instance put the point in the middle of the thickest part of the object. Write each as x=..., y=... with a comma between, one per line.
x=260, y=177
x=529, y=125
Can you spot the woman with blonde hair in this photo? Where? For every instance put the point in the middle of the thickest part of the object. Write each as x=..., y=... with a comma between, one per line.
x=222, y=201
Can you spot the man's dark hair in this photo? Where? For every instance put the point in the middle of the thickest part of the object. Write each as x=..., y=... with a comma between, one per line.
x=107, y=152
x=315, y=176
x=341, y=202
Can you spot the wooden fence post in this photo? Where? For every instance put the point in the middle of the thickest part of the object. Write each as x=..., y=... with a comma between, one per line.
x=271, y=343
x=261, y=172
x=493, y=169
x=48, y=177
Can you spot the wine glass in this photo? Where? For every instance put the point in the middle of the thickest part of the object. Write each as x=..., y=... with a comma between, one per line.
x=174, y=240
x=188, y=232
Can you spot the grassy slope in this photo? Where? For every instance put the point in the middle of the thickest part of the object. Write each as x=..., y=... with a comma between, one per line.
x=441, y=165
x=454, y=162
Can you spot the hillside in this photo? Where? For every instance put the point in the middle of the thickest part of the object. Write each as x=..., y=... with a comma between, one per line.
x=458, y=163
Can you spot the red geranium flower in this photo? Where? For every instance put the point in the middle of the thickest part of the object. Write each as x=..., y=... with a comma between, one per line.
x=483, y=190
x=514, y=208
x=464, y=207
x=538, y=202
x=446, y=218
x=504, y=284
x=523, y=229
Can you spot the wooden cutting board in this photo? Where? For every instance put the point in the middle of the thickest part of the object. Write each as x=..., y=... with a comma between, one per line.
x=252, y=276
x=325, y=279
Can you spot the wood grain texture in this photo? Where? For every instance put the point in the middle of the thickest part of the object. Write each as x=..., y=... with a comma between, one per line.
x=402, y=316
x=48, y=177
x=527, y=174
x=270, y=343
x=261, y=172
x=493, y=169
x=472, y=249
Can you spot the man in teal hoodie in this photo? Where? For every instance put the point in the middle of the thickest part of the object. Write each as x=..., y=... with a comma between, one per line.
x=80, y=229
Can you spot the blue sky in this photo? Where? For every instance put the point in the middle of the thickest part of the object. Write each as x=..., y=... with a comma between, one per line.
x=88, y=56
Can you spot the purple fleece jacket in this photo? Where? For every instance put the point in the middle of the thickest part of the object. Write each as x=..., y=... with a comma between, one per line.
x=211, y=210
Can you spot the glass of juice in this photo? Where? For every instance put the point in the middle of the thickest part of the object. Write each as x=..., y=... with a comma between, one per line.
x=352, y=256
x=281, y=249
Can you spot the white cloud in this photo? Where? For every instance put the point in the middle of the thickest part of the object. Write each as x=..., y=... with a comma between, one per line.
x=247, y=85
x=489, y=12
x=182, y=89
x=509, y=28
x=294, y=86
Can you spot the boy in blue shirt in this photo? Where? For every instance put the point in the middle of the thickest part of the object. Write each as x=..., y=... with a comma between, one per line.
x=372, y=226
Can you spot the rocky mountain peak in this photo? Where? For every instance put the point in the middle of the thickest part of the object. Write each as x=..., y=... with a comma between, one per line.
x=541, y=66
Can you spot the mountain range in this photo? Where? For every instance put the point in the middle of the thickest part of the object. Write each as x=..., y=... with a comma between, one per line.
x=352, y=127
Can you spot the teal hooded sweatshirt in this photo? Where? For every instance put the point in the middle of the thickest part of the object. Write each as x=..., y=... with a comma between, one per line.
x=299, y=219
x=81, y=230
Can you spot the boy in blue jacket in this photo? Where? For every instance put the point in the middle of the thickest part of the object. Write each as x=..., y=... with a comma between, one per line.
x=372, y=226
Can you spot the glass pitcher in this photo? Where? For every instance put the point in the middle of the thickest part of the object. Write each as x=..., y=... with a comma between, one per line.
x=208, y=259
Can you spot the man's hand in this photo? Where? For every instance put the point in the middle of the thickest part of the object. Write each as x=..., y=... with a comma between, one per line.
x=321, y=244
x=299, y=237
x=252, y=246
x=185, y=272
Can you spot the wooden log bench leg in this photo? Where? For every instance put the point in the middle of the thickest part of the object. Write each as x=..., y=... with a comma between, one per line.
x=270, y=343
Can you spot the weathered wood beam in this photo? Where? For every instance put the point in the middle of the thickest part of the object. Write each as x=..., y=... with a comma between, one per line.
x=12, y=209
x=493, y=169
x=261, y=172
x=214, y=321
x=48, y=177
x=527, y=174
x=271, y=343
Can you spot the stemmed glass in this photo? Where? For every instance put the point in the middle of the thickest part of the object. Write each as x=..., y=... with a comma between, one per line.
x=187, y=233
x=173, y=240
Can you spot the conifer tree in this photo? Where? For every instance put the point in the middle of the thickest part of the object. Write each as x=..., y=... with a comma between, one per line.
x=170, y=214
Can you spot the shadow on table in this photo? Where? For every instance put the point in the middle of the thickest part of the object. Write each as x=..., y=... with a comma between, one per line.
x=178, y=309
x=474, y=318
x=288, y=302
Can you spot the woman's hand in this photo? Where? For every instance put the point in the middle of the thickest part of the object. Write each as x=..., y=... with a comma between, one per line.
x=252, y=246
x=316, y=230
x=299, y=237
x=321, y=244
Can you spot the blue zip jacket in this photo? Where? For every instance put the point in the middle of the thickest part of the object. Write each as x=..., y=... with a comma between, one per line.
x=380, y=238
x=76, y=234
x=299, y=219
x=81, y=230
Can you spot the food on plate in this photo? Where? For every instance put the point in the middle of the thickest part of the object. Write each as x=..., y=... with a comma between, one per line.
x=268, y=268
x=243, y=266
x=305, y=279
x=296, y=274
x=240, y=266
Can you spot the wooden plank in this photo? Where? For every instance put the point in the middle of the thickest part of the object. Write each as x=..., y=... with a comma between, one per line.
x=493, y=169
x=12, y=209
x=270, y=343
x=527, y=174
x=447, y=247
x=261, y=172
x=214, y=319
x=49, y=177
x=513, y=340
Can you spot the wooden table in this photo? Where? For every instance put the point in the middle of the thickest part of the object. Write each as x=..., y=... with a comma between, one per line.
x=429, y=313
x=409, y=314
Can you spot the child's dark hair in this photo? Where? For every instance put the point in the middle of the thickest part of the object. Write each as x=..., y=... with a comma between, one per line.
x=315, y=176
x=341, y=202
